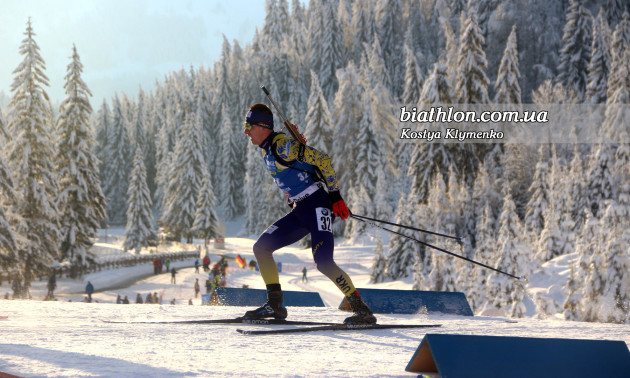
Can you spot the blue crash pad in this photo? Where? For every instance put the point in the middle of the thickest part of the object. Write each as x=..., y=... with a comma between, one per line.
x=383, y=301
x=231, y=296
x=500, y=356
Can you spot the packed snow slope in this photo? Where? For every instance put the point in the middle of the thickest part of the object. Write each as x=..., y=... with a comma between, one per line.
x=69, y=338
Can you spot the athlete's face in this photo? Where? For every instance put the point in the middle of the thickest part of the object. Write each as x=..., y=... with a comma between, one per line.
x=257, y=134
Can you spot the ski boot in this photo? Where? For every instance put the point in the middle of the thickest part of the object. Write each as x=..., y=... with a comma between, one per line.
x=362, y=313
x=273, y=308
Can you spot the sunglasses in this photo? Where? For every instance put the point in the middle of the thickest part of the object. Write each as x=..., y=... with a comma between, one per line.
x=248, y=126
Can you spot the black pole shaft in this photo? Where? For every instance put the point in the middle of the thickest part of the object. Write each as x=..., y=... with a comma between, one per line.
x=438, y=248
x=459, y=240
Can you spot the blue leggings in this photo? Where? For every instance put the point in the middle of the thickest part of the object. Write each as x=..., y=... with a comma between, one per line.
x=311, y=215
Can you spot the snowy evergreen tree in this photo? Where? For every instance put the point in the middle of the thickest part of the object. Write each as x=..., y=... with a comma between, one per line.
x=485, y=252
x=576, y=47
x=30, y=155
x=348, y=110
x=206, y=220
x=403, y=252
x=8, y=242
x=619, y=44
x=599, y=65
x=102, y=122
x=326, y=45
x=140, y=229
x=617, y=239
x=412, y=84
x=514, y=258
x=233, y=163
x=508, y=89
x=577, y=198
x=318, y=130
x=592, y=262
x=117, y=166
x=600, y=183
x=539, y=199
x=617, y=116
x=81, y=202
x=471, y=82
x=187, y=170
x=571, y=304
x=388, y=14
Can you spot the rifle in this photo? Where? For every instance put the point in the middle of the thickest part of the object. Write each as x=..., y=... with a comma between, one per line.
x=287, y=124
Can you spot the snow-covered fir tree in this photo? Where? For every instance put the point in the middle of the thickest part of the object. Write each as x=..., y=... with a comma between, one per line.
x=30, y=155
x=592, y=262
x=508, y=89
x=101, y=125
x=414, y=79
x=206, y=221
x=187, y=170
x=617, y=239
x=325, y=45
x=600, y=183
x=117, y=166
x=233, y=164
x=317, y=129
x=514, y=258
x=599, y=64
x=8, y=242
x=575, y=53
x=539, y=196
x=140, y=226
x=617, y=116
x=619, y=44
x=471, y=84
x=81, y=202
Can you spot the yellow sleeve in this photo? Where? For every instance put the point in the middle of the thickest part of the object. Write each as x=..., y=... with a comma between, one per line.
x=289, y=149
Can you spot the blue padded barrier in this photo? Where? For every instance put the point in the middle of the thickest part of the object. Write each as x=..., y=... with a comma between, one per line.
x=231, y=296
x=384, y=301
x=501, y=356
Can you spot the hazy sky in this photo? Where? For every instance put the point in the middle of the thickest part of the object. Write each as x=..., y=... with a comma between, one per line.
x=123, y=44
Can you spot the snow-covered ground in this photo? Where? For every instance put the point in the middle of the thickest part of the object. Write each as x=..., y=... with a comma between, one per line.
x=63, y=338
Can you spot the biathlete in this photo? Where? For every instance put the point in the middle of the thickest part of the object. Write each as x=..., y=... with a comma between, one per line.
x=303, y=174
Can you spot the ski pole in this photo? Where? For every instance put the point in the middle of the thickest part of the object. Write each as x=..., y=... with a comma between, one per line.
x=459, y=240
x=287, y=124
x=438, y=248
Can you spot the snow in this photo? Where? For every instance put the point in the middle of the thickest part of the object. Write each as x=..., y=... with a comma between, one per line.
x=63, y=338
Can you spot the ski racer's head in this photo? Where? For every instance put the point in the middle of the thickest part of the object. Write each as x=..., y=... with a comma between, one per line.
x=258, y=123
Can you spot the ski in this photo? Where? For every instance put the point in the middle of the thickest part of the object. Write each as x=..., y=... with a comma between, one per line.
x=239, y=320
x=335, y=327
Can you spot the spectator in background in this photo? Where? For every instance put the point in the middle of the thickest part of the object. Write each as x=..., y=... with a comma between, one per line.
x=206, y=263
x=173, y=273
x=125, y=300
x=118, y=299
x=156, y=266
x=197, y=288
x=52, y=285
x=168, y=265
x=139, y=298
x=89, y=289
x=149, y=299
x=197, y=266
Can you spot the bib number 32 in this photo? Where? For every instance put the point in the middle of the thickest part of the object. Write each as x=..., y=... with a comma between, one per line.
x=324, y=219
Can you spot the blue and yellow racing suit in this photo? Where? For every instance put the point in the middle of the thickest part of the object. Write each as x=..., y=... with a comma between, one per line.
x=299, y=171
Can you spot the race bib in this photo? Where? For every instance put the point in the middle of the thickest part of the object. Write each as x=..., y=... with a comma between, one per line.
x=324, y=219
